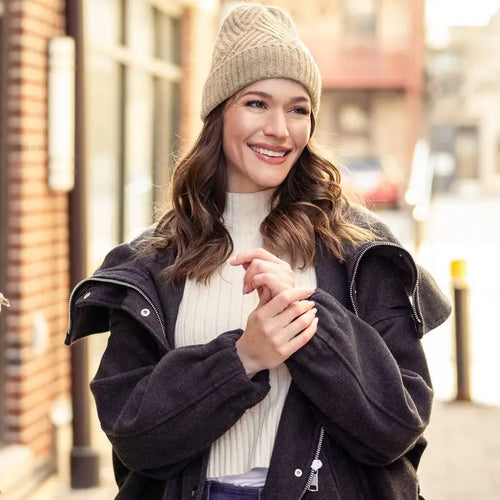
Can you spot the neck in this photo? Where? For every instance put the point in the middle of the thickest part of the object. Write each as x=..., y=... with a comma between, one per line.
x=245, y=212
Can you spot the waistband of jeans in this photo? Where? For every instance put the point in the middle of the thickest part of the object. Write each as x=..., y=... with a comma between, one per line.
x=218, y=487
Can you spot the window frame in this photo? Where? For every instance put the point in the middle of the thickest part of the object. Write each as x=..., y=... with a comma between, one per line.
x=361, y=99
x=352, y=26
x=160, y=71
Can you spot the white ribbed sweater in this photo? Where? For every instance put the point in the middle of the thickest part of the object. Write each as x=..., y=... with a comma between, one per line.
x=208, y=310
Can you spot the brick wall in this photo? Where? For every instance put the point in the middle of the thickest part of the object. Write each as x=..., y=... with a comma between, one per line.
x=37, y=255
x=37, y=284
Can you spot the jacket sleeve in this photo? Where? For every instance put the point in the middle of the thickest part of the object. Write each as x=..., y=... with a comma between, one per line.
x=161, y=409
x=367, y=378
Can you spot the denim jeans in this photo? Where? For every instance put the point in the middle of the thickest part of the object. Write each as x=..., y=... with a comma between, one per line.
x=223, y=491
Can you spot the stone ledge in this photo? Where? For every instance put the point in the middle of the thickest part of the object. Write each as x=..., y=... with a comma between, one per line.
x=19, y=474
x=15, y=468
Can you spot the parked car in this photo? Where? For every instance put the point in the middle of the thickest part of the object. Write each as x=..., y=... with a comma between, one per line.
x=376, y=184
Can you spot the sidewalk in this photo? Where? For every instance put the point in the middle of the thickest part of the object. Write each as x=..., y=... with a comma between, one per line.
x=462, y=461
x=57, y=487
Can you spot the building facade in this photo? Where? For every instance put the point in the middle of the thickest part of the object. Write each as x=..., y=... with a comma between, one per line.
x=371, y=57
x=140, y=64
x=461, y=107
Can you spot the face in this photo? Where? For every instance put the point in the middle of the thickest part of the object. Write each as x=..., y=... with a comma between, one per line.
x=265, y=128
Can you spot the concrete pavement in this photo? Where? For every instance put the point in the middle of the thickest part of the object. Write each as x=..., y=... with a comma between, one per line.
x=462, y=461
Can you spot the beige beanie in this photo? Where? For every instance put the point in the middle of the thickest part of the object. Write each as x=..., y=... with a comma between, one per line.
x=256, y=42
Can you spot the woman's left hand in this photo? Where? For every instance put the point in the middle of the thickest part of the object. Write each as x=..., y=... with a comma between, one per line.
x=264, y=272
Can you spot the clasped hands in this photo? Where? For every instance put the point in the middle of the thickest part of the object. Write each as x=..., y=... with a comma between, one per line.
x=284, y=320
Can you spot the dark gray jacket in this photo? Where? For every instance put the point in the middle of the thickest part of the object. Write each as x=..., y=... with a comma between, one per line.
x=359, y=400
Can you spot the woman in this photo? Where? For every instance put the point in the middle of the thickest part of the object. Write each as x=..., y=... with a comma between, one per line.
x=265, y=335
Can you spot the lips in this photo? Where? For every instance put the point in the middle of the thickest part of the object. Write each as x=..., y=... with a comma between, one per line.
x=270, y=151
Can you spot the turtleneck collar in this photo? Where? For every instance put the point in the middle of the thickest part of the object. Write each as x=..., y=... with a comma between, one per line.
x=245, y=212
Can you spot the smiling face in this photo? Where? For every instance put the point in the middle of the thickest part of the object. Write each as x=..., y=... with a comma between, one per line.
x=266, y=127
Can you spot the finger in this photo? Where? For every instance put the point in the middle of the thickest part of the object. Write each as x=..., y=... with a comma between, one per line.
x=259, y=266
x=256, y=253
x=302, y=338
x=298, y=325
x=270, y=281
x=265, y=295
x=253, y=268
x=284, y=299
x=282, y=270
x=294, y=311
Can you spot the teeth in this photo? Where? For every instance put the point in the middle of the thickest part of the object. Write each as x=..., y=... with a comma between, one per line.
x=268, y=152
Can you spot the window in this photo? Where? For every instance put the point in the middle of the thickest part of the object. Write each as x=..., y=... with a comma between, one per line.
x=354, y=119
x=354, y=113
x=104, y=155
x=346, y=119
x=360, y=17
x=133, y=86
x=446, y=70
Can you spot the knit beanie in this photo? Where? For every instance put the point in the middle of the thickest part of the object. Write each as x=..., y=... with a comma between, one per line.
x=256, y=42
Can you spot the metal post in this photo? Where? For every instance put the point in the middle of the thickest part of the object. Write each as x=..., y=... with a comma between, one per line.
x=84, y=466
x=419, y=233
x=462, y=328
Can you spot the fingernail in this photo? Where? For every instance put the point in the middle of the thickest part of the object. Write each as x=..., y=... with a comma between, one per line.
x=314, y=311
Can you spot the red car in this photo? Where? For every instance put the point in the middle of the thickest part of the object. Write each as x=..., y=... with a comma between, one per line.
x=368, y=178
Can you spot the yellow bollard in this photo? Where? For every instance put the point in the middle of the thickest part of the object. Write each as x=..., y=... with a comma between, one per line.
x=458, y=270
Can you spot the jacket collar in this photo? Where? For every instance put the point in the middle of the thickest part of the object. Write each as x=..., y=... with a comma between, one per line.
x=430, y=307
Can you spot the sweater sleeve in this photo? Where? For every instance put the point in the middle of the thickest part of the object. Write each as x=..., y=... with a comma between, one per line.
x=367, y=376
x=160, y=409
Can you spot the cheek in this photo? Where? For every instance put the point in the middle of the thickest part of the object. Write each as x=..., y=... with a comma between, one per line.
x=301, y=135
x=228, y=141
x=233, y=132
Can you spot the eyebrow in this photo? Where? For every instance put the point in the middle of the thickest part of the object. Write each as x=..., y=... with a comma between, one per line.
x=265, y=95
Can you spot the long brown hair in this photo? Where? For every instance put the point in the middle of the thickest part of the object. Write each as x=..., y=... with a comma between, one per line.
x=308, y=208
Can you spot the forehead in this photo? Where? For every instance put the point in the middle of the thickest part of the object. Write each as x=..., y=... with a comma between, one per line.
x=276, y=87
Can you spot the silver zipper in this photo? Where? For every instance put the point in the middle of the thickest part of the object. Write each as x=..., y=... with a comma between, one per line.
x=312, y=480
x=413, y=302
x=116, y=282
x=312, y=483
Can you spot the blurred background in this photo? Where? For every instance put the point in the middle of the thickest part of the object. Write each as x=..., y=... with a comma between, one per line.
x=97, y=100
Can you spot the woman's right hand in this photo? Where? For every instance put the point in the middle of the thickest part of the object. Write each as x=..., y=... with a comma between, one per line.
x=276, y=330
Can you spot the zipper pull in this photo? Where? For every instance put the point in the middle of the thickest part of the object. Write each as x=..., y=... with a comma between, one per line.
x=315, y=466
x=313, y=486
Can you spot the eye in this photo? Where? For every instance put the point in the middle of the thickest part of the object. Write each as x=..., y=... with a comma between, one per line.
x=301, y=110
x=256, y=104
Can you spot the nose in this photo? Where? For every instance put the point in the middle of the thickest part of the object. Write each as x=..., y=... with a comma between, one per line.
x=276, y=125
